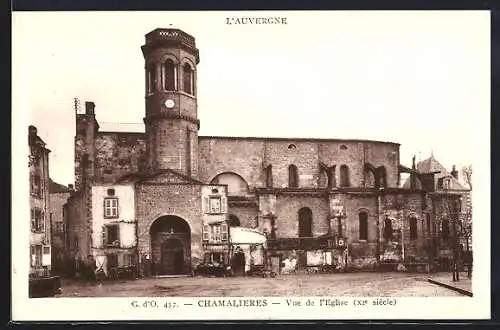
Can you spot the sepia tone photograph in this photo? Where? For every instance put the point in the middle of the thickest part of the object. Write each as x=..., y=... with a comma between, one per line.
x=252, y=154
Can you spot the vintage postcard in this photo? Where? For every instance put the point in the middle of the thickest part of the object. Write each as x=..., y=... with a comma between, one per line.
x=251, y=165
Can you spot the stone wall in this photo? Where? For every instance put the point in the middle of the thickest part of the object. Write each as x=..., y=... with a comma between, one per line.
x=249, y=156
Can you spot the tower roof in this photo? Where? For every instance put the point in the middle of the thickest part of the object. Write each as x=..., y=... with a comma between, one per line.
x=168, y=37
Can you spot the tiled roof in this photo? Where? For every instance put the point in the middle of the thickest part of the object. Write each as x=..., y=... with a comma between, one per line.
x=431, y=165
x=55, y=187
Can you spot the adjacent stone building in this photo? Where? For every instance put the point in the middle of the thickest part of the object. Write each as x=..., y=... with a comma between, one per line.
x=58, y=197
x=40, y=228
x=166, y=197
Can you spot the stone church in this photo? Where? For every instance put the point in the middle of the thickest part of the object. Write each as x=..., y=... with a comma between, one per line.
x=169, y=196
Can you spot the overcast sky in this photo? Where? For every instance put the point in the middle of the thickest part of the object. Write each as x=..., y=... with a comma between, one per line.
x=421, y=79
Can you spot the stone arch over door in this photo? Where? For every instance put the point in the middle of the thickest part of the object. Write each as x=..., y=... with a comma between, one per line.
x=170, y=245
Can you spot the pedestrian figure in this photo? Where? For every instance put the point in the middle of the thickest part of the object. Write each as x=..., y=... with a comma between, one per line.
x=91, y=268
x=238, y=262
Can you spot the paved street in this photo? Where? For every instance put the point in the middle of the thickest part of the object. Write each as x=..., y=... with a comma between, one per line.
x=354, y=284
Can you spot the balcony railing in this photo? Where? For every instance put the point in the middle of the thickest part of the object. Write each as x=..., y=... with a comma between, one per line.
x=306, y=243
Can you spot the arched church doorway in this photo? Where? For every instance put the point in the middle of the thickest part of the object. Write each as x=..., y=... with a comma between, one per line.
x=170, y=246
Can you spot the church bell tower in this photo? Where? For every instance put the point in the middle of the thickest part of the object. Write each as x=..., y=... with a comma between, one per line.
x=171, y=119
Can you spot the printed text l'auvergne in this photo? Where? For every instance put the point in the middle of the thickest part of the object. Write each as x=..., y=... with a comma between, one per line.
x=256, y=20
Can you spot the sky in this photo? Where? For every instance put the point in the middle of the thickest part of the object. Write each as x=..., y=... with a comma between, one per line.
x=421, y=79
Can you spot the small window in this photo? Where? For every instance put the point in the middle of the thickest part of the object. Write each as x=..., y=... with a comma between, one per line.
x=110, y=235
x=224, y=232
x=46, y=249
x=343, y=147
x=111, y=192
x=215, y=205
x=292, y=146
x=215, y=191
x=206, y=232
x=344, y=176
x=413, y=228
x=363, y=225
x=59, y=227
x=269, y=176
x=293, y=177
x=216, y=233
x=111, y=207
x=37, y=223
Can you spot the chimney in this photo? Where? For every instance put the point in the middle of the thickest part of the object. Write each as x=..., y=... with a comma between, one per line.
x=32, y=130
x=454, y=172
x=89, y=108
x=70, y=187
x=413, y=179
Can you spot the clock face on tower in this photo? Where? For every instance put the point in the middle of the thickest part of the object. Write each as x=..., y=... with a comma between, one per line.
x=169, y=104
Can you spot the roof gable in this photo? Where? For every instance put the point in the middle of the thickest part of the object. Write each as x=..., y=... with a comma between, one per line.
x=430, y=165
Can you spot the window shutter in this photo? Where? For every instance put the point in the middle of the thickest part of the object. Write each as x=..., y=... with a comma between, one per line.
x=206, y=230
x=118, y=235
x=114, y=204
x=104, y=206
x=223, y=204
x=33, y=222
x=206, y=205
x=224, y=233
x=104, y=235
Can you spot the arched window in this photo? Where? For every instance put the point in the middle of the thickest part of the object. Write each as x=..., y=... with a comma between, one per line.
x=413, y=228
x=234, y=221
x=344, y=176
x=151, y=78
x=363, y=225
x=388, y=231
x=428, y=222
x=445, y=229
x=169, y=75
x=331, y=177
x=236, y=185
x=381, y=177
x=305, y=222
x=269, y=176
x=369, y=177
x=293, y=176
x=187, y=79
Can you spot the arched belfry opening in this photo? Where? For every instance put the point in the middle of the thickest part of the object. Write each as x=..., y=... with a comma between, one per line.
x=170, y=246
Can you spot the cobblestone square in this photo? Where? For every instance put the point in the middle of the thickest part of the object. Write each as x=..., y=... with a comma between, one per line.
x=332, y=285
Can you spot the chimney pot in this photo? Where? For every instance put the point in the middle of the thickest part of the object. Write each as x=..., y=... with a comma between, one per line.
x=70, y=186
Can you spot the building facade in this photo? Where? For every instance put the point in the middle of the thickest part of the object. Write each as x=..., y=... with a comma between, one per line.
x=170, y=195
x=40, y=228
